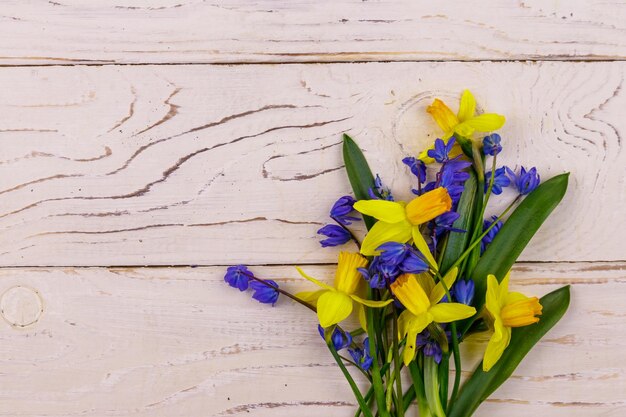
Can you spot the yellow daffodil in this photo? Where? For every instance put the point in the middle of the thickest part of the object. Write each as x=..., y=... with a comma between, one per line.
x=399, y=221
x=464, y=123
x=421, y=297
x=335, y=303
x=507, y=310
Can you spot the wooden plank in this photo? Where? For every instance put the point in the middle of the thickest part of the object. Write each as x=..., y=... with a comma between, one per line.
x=180, y=342
x=224, y=164
x=173, y=31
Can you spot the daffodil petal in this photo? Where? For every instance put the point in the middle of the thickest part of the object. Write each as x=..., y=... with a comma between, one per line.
x=411, y=294
x=313, y=280
x=467, y=107
x=422, y=246
x=370, y=303
x=426, y=281
x=496, y=346
x=438, y=291
x=362, y=317
x=442, y=115
x=486, y=122
x=333, y=307
x=310, y=297
x=492, y=301
x=386, y=211
x=409, y=348
x=514, y=296
x=448, y=312
x=385, y=232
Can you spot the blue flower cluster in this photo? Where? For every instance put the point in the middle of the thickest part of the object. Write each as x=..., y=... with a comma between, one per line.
x=380, y=192
x=525, y=182
x=341, y=212
x=491, y=144
x=463, y=291
x=395, y=259
x=265, y=290
x=361, y=355
x=417, y=167
x=491, y=234
x=340, y=339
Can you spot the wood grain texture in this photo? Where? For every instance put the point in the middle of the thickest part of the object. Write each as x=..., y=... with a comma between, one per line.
x=184, y=31
x=213, y=165
x=180, y=342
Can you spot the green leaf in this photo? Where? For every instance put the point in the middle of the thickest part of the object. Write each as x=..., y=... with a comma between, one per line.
x=482, y=384
x=516, y=232
x=458, y=241
x=359, y=173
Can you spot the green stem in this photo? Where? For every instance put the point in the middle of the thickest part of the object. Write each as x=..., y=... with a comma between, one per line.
x=431, y=387
x=357, y=393
x=418, y=387
x=283, y=292
x=377, y=382
x=397, y=363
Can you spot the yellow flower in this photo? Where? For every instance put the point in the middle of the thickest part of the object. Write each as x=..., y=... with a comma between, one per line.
x=335, y=303
x=420, y=296
x=464, y=123
x=507, y=310
x=399, y=222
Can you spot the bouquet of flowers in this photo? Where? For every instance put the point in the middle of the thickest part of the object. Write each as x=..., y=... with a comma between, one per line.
x=430, y=273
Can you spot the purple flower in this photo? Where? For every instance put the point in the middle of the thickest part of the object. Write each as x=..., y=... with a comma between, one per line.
x=418, y=168
x=488, y=238
x=527, y=181
x=339, y=338
x=463, y=291
x=392, y=252
x=430, y=346
x=336, y=235
x=237, y=277
x=341, y=210
x=381, y=192
x=361, y=356
x=441, y=150
x=413, y=263
x=491, y=144
x=264, y=293
x=500, y=180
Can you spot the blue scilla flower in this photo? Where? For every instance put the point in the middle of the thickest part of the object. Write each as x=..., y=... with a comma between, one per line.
x=340, y=338
x=380, y=192
x=265, y=293
x=341, y=210
x=441, y=150
x=336, y=235
x=491, y=144
x=527, y=181
x=500, y=180
x=361, y=356
x=418, y=168
x=413, y=263
x=463, y=291
x=492, y=233
x=392, y=252
x=430, y=346
x=445, y=223
x=380, y=274
x=238, y=276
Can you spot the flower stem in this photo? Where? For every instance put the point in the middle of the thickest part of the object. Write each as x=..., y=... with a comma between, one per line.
x=397, y=363
x=431, y=387
x=357, y=393
x=418, y=387
x=283, y=292
x=377, y=382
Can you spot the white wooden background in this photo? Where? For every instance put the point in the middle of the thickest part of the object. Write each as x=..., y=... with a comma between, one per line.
x=145, y=145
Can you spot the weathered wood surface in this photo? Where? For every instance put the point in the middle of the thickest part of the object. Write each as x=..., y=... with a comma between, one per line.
x=183, y=31
x=213, y=165
x=180, y=342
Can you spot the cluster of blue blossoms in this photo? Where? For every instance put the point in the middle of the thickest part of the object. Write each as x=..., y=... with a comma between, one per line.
x=265, y=290
x=342, y=339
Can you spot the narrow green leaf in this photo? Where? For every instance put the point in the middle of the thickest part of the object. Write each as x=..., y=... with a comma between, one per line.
x=458, y=241
x=482, y=384
x=516, y=232
x=359, y=173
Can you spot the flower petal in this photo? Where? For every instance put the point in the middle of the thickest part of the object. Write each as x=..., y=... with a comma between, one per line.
x=333, y=307
x=486, y=122
x=448, y=312
x=428, y=206
x=313, y=280
x=386, y=211
x=371, y=303
x=347, y=277
x=498, y=342
x=442, y=115
x=492, y=301
x=310, y=297
x=411, y=294
x=438, y=292
x=422, y=246
x=362, y=316
x=385, y=232
x=426, y=281
x=467, y=107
